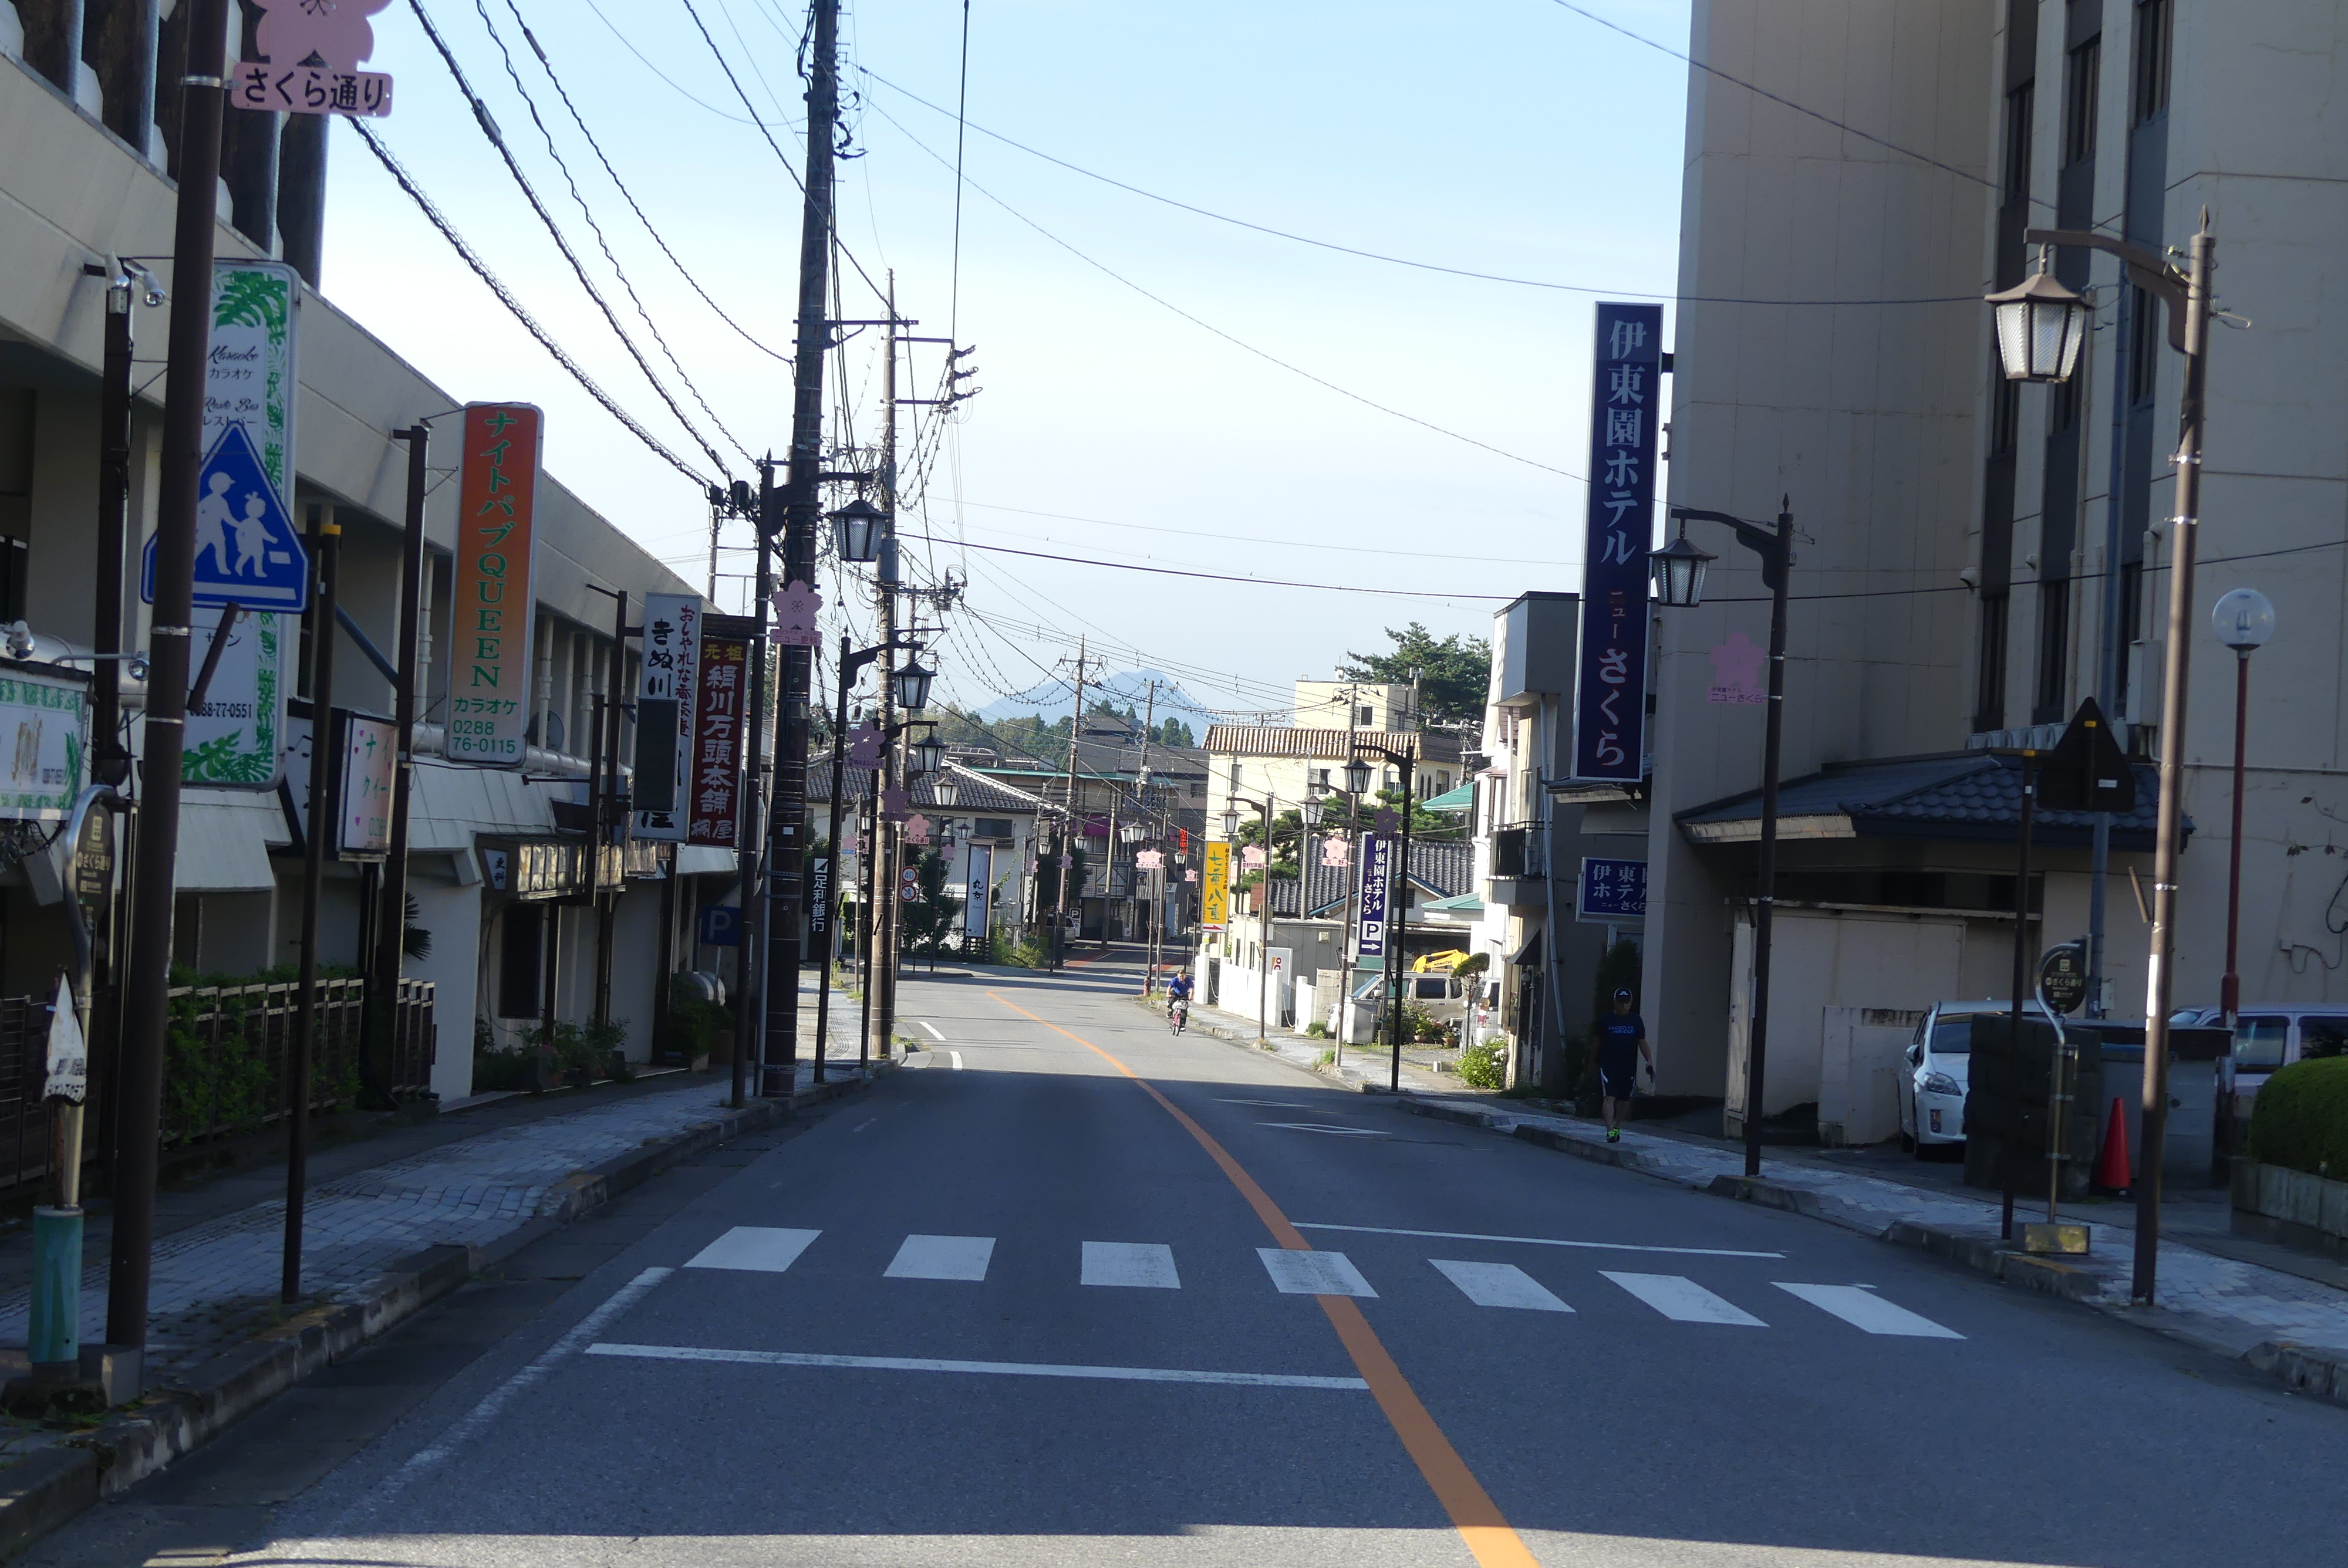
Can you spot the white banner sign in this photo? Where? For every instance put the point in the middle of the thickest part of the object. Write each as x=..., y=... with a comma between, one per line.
x=980, y=883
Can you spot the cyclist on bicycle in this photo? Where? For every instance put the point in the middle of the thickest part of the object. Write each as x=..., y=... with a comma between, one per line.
x=1177, y=1002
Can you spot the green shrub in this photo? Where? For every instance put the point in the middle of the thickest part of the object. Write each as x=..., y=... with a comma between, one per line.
x=1316, y=1030
x=2300, y=1119
x=1484, y=1066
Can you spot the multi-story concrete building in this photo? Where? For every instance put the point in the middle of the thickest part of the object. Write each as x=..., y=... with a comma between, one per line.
x=1967, y=547
x=85, y=178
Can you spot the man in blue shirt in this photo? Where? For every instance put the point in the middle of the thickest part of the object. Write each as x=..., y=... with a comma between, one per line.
x=1621, y=1043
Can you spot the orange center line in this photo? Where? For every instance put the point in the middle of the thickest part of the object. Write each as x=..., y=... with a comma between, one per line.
x=1487, y=1534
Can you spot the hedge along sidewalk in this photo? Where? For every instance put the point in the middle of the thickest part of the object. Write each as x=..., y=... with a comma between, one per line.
x=379, y=1243
x=1365, y=1069
x=2295, y=1328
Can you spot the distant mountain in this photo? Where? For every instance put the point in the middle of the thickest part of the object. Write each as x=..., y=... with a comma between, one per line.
x=1049, y=701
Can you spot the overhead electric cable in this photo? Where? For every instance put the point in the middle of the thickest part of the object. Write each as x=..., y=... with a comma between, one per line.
x=497, y=138
x=505, y=297
x=959, y=121
x=683, y=272
x=682, y=91
x=1227, y=337
x=588, y=212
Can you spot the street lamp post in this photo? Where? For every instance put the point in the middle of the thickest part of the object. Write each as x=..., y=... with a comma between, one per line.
x=1357, y=782
x=1308, y=817
x=1263, y=903
x=1678, y=570
x=2244, y=620
x=2039, y=326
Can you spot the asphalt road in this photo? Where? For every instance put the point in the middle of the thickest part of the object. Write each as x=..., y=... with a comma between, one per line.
x=1076, y=1292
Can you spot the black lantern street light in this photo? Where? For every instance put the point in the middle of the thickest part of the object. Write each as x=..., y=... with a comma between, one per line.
x=857, y=531
x=1678, y=570
x=911, y=685
x=928, y=753
x=944, y=788
x=2039, y=328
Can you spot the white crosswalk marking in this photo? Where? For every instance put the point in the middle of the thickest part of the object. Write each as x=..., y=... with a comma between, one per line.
x=1134, y=1263
x=1682, y=1299
x=942, y=1257
x=1500, y=1284
x=755, y=1248
x=1313, y=1273
x=1862, y=1309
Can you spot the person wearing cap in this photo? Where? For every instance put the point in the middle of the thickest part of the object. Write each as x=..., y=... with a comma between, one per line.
x=1621, y=1043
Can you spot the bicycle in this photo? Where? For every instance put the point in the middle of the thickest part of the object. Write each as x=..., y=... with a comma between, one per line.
x=1178, y=1016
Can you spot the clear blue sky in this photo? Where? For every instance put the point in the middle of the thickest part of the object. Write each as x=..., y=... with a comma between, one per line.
x=1508, y=137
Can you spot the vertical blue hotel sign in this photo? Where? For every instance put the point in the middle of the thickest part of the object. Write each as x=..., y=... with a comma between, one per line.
x=1610, y=708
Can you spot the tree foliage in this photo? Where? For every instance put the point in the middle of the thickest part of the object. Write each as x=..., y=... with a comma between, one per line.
x=1456, y=672
x=929, y=920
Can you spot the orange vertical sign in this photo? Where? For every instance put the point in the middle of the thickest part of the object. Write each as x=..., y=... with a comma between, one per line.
x=489, y=624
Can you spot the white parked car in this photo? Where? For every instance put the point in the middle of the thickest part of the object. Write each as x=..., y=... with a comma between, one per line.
x=1940, y=1059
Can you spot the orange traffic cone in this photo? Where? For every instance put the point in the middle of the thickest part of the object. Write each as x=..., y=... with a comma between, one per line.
x=2112, y=1164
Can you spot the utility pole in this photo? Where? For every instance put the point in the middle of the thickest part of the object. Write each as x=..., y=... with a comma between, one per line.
x=748, y=1016
x=325, y=815
x=391, y=909
x=1068, y=824
x=801, y=503
x=887, y=837
x=147, y=983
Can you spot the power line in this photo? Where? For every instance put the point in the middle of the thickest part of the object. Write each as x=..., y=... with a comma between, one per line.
x=682, y=92
x=629, y=195
x=1209, y=326
x=505, y=297
x=1259, y=539
x=1354, y=250
x=962, y=123
x=1220, y=577
x=602, y=243
x=497, y=139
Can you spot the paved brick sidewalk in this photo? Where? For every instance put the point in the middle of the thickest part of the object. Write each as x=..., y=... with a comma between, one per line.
x=2216, y=1302
x=216, y=1282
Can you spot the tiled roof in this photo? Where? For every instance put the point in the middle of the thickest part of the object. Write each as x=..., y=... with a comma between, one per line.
x=1443, y=870
x=1958, y=795
x=1326, y=745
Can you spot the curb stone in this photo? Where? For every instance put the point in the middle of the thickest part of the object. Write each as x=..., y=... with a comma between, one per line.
x=2318, y=1370
x=52, y=1485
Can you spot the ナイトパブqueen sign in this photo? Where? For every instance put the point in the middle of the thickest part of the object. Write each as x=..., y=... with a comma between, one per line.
x=1610, y=706
x=491, y=598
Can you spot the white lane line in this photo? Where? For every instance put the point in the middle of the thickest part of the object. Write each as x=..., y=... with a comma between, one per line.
x=1500, y=1284
x=1275, y=1104
x=1134, y=1263
x=932, y=1029
x=1332, y=1129
x=957, y=1060
x=1683, y=1300
x=755, y=1248
x=1313, y=1273
x=942, y=1257
x=996, y=1369
x=1539, y=1240
x=469, y=1425
x=1860, y=1306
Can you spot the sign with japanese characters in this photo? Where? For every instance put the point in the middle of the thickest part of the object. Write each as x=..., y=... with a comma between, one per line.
x=979, y=892
x=719, y=697
x=493, y=595
x=1611, y=683
x=42, y=734
x=1215, y=892
x=1377, y=876
x=1611, y=890
x=370, y=757
x=69, y=1052
x=796, y=607
x=306, y=60
x=665, y=687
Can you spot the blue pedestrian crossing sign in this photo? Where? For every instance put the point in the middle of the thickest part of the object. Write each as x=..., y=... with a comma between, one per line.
x=247, y=551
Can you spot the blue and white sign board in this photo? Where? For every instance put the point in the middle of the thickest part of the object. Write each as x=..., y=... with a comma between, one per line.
x=1626, y=407
x=247, y=551
x=1611, y=890
x=1377, y=876
x=721, y=926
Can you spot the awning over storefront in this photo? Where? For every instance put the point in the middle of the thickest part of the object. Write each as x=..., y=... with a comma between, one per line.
x=224, y=847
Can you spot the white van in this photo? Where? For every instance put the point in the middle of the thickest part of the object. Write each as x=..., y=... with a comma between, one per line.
x=2267, y=1038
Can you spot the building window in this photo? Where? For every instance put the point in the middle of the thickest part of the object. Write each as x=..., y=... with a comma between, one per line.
x=2150, y=98
x=2131, y=620
x=1366, y=715
x=2004, y=412
x=2145, y=340
x=1989, y=677
x=2021, y=104
x=13, y=566
x=2053, y=651
x=2080, y=101
x=2063, y=406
